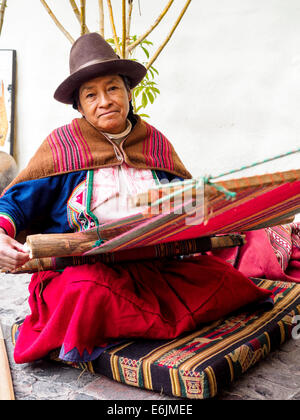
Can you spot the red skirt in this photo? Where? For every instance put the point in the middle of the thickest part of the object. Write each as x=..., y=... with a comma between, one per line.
x=88, y=307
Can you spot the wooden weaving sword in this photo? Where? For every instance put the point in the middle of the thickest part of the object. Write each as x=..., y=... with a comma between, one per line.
x=6, y=385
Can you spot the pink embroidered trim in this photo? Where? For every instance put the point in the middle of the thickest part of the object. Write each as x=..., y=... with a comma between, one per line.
x=8, y=225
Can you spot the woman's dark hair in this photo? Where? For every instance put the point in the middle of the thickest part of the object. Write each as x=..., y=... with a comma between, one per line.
x=126, y=82
x=76, y=99
x=132, y=118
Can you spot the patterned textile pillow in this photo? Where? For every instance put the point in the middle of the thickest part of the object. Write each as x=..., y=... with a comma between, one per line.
x=281, y=240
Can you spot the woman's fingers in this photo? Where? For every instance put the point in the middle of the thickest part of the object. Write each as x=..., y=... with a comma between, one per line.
x=9, y=264
x=13, y=260
x=18, y=246
x=12, y=253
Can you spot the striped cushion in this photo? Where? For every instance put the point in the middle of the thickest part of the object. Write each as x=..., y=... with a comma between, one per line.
x=200, y=364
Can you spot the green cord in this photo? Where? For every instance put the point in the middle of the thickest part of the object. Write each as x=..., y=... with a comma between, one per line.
x=98, y=243
x=192, y=183
x=256, y=164
x=230, y=194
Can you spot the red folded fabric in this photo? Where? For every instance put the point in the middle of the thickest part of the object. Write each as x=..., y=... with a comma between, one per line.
x=92, y=305
x=272, y=253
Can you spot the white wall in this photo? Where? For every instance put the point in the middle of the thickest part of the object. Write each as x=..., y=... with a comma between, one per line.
x=229, y=78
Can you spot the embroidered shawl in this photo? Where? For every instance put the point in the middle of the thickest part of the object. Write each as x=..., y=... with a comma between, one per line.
x=79, y=146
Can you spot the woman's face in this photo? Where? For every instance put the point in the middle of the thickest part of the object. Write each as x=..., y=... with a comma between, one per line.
x=104, y=102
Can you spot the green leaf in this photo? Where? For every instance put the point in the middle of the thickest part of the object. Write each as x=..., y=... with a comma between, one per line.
x=144, y=115
x=153, y=68
x=145, y=51
x=151, y=72
x=156, y=90
x=145, y=41
x=144, y=100
x=153, y=92
x=137, y=91
x=150, y=96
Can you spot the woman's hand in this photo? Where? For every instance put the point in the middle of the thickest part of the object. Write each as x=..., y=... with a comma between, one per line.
x=12, y=253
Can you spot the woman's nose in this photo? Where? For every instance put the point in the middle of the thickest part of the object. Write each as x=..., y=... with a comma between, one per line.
x=104, y=100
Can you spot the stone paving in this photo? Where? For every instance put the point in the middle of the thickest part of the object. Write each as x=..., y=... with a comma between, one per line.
x=277, y=377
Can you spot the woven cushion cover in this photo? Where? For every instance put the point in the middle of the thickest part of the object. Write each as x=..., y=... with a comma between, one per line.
x=199, y=364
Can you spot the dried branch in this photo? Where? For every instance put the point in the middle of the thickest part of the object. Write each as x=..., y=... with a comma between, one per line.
x=57, y=23
x=128, y=25
x=2, y=12
x=75, y=10
x=142, y=37
x=101, y=17
x=82, y=17
x=77, y=13
x=123, y=28
x=159, y=50
x=113, y=27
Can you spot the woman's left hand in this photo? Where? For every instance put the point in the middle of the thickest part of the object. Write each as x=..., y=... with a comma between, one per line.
x=12, y=253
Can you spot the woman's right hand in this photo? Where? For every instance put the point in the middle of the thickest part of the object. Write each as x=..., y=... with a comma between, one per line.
x=12, y=253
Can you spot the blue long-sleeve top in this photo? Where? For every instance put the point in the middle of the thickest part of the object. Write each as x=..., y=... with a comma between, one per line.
x=44, y=204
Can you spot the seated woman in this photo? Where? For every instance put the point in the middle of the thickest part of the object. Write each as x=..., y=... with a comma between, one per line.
x=78, y=179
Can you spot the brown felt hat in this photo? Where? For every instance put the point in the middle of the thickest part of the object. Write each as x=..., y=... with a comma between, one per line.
x=91, y=56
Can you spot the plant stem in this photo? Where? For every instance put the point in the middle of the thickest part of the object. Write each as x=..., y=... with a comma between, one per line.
x=76, y=12
x=2, y=12
x=159, y=50
x=142, y=37
x=75, y=9
x=123, y=28
x=101, y=17
x=113, y=27
x=128, y=25
x=57, y=23
x=82, y=17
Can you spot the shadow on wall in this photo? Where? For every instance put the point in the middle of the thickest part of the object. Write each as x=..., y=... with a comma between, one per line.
x=8, y=170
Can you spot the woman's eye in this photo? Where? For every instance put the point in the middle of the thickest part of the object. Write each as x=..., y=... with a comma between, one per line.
x=90, y=95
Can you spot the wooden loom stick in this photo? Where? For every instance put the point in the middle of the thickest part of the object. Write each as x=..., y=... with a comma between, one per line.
x=76, y=244
x=234, y=185
x=73, y=244
x=60, y=244
x=257, y=181
x=185, y=247
x=6, y=385
x=44, y=246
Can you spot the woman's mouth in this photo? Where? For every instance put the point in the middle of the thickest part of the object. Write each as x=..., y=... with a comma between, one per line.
x=107, y=114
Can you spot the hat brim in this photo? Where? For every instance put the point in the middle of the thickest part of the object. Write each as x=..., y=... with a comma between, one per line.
x=134, y=71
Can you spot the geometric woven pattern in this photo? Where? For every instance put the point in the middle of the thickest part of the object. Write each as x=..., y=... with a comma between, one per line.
x=199, y=364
